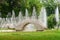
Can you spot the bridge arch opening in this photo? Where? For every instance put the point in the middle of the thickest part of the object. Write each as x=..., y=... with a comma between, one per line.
x=29, y=27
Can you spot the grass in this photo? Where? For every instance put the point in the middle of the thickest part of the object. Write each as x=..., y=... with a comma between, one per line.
x=7, y=28
x=44, y=35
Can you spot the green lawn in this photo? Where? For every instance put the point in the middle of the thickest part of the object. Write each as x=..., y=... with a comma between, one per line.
x=44, y=35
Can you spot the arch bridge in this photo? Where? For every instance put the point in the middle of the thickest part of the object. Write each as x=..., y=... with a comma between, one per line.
x=38, y=25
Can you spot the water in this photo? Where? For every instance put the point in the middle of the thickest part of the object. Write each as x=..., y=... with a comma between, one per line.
x=34, y=16
x=20, y=17
x=26, y=14
x=43, y=16
x=30, y=27
x=13, y=21
x=57, y=16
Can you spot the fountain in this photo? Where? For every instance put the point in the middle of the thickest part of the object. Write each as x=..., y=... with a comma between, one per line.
x=34, y=14
x=26, y=14
x=57, y=16
x=43, y=16
x=20, y=21
x=20, y=17
x=30, y=27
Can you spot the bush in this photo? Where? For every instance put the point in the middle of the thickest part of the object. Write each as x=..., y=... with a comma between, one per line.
x=51, y=21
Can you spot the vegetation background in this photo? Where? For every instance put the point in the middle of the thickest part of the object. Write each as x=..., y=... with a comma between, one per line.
x=7, y=6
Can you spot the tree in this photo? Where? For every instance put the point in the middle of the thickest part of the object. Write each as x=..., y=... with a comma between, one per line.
x=50, y=6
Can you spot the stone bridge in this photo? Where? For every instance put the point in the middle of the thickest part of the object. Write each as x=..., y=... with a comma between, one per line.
x=38, y=25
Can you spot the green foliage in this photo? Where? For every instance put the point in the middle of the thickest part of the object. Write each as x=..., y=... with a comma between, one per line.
x=59, y=20
x=29, y=4
x=50, y=6
x=51, y=21
x=59, y=7
x=19, y=5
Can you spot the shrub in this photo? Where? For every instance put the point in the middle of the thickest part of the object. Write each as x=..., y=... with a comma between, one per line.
x=51, y=21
